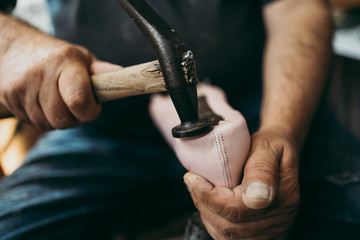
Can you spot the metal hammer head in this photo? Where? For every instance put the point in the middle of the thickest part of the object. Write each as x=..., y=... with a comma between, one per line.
x=177, y=65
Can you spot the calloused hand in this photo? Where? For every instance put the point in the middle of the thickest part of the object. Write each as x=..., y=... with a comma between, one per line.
x=266, y=202
x=46, y=81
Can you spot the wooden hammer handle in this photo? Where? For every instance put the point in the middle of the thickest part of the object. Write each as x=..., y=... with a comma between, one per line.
x=130, y=81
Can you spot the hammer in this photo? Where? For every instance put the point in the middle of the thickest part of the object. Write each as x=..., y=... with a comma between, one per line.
x=174, y=72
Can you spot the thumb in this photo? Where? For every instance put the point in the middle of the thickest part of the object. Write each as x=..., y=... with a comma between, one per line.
x=261, y=177
x=98, y=67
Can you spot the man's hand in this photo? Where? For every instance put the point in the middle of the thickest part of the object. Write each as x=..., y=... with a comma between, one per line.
x=46, y=81
x=266, y=202
x=264, y=205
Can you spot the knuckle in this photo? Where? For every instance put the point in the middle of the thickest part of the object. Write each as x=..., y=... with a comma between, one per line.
x=83, y=50
x=66, y=52
x=17, y=87
x=263, y=167
x=273, y=147
x=229, y=233
x=231, y=214
x=35, y=73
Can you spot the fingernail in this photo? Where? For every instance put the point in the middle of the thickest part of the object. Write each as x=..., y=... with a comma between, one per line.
x=257, y=190
x=187, y=184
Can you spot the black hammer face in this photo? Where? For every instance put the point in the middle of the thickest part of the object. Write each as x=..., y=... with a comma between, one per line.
x=177, y=65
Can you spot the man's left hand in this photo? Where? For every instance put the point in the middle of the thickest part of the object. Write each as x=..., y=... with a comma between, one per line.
x=266, y=202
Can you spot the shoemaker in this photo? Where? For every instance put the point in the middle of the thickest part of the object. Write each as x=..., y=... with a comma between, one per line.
x=104, y=170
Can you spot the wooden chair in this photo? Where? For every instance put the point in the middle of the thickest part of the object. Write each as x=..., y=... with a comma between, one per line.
x=15, y=141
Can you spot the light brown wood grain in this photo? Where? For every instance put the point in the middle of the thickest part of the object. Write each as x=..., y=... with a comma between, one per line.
x=131, y=81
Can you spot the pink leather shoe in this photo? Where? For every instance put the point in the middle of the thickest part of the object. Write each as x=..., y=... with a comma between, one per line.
x=219, y=155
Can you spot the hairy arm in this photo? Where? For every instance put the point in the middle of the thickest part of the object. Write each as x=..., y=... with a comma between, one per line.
x=8, y=31
x=44, y=80
x=265, y=204
x=295, y=64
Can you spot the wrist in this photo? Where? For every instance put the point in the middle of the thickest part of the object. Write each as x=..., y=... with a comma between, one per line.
x=17, y=36
x=282, y=134
x=11, y=32
x=288, y=123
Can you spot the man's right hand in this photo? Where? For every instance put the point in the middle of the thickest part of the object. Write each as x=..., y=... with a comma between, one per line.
x=46, y=81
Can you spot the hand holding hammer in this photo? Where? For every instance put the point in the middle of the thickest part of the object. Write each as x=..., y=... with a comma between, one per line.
x=174, y=72
x=130, y=81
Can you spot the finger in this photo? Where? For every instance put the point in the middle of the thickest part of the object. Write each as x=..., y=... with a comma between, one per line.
x=10, y=97
x=98, y=67
x=34, y=111
x=15, y=107
x=211, y=229
x=76, y=91
x=203, y=192
x=261, y=176
x=234, y=230
x=59, y=116
x=222, y=201
x=230, y=233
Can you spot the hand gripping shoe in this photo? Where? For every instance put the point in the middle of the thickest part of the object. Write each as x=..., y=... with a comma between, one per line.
x=218, y=155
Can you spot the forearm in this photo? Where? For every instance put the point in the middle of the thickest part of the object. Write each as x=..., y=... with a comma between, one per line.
x=45, y=80
x=8, y=32
x=295, y=65
x=14, y=32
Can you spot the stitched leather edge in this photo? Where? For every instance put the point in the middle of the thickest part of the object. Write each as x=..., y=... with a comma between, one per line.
x=223, y=158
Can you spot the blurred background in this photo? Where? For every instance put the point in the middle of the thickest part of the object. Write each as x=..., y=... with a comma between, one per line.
x=344, y=97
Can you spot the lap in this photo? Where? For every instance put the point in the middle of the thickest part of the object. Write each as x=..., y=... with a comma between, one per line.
x=88, y=188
